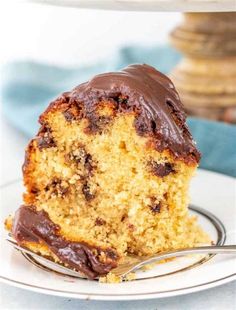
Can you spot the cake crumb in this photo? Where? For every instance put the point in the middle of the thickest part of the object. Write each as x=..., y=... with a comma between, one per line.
x=130, y=276
x=110, y=278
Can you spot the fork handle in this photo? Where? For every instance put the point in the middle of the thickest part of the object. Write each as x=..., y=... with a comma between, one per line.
x=142, y=261
x=222, y=249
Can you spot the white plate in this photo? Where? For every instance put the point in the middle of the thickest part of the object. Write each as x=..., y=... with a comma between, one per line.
x=213, y=192
x=149, y=5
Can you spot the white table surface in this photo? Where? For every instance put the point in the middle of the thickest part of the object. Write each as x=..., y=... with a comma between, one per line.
x=12, y=153
x=219, y=298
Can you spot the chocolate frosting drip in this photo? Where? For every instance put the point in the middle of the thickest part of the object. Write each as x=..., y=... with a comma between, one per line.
x=35, y=226
x=153, y=96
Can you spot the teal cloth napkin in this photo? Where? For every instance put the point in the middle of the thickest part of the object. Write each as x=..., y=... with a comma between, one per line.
x=27, y=88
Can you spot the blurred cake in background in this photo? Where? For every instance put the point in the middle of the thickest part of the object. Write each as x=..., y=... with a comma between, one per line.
x=206, y=77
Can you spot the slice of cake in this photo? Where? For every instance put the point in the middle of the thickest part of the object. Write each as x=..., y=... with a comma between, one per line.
x=108, y=174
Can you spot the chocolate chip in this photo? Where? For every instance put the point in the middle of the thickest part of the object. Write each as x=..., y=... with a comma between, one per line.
x=111, y=254
x=45, y=142
x=121, y=101
x=55, y=187
x=142, y=126
x=80, y=156
x=99, y=221
x=86, y=191
x=161, y=170
x=155, y=208
x=45, y=138
x=88, y=163
x=97, y=124
x=63, y=191
x=153, y=125
x=73, y=112
x=123, y=218
x=69, y=116
x=77, y=156
x=34, y=190
x=130, y=226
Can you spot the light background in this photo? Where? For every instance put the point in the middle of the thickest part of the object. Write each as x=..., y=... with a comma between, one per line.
x=69, y=36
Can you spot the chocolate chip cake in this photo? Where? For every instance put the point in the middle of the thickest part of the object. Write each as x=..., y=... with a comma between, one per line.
x=107, y=175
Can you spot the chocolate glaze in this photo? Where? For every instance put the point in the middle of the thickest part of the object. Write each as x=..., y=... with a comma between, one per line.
x=36, y=226
x=153, y=96
x=159, y=112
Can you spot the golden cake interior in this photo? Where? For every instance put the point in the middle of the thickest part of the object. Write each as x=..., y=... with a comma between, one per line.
x=109, y=187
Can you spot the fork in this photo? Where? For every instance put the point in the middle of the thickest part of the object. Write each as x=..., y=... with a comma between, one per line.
x=133, y=263
x=123, y=269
